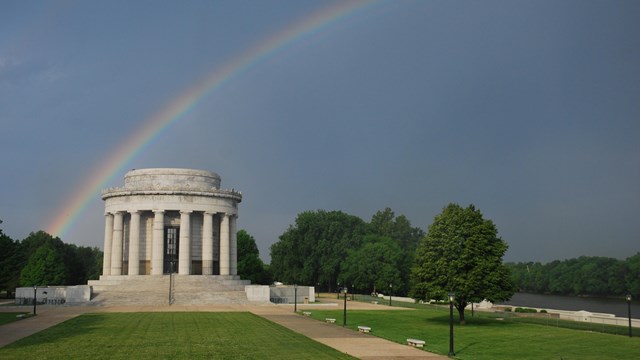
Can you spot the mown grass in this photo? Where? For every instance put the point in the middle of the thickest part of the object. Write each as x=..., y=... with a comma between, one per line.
x=179, y=335
x=541, y=319
x=488, y=338
x=9, y=317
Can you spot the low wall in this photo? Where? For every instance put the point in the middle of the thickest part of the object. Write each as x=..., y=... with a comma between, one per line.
x=54, y=295
x=285, y=294
x=259, y=293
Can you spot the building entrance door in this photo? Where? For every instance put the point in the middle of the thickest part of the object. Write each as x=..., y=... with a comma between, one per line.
x=171, y=240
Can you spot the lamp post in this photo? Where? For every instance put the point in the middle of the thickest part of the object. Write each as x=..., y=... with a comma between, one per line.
x=452, y=297
x=629, y=312
x=344, y=317
x=35, y=289
x=35, y=297
x=295, y=298
x=390, y=287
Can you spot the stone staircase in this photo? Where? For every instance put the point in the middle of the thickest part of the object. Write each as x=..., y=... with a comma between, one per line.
x=154, y=290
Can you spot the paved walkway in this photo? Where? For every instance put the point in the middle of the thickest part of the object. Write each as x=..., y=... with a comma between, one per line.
x=362, y=346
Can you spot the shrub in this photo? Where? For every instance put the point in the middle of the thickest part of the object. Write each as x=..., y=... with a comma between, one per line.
x=525, y=310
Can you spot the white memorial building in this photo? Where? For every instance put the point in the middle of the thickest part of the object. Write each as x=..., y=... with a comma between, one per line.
x=165, y=221
x=169, y=238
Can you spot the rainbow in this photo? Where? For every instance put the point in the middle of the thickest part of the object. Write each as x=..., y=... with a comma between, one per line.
x=132, y=146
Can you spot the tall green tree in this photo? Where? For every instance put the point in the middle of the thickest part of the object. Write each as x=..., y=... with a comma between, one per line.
x=461, y=253
x=632, y=277
x=250, y=266
x=373, y=266
x=312, y=251
x=399, y=230
x=10, y=263
x=44, y=267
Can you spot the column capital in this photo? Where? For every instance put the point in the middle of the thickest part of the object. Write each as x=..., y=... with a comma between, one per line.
x=186, y=211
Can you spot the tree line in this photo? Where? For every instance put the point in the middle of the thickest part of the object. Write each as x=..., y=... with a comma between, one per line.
x=586, y=275
x=461, y=253
x=41, y=259
x=332, y=249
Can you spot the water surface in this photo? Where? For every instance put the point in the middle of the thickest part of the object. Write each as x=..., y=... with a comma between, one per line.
x=574, y=303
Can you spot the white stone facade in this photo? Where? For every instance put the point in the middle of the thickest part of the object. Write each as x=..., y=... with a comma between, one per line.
x=170, y=220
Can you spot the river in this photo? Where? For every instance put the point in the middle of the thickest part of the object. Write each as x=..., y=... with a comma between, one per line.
x=574, y=303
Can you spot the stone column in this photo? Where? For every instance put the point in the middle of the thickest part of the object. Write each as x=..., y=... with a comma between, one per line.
x=157, y=246
x=224, y=245
x=184, y=261
x=207, y=244
x=233, y=246
x=108, y=241
x=134, y=243
x=116, y=247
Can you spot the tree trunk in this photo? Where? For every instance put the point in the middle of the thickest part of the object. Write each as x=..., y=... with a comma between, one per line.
x=460, y=308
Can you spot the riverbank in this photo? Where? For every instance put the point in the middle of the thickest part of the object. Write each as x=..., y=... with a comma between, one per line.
x=615, y=306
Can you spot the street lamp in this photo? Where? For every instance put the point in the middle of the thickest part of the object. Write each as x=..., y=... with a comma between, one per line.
x=390, y=286
x=629, y=312
x=344, y=317
x=452, y=297
x=35, y=297
x=295, y=298
x=35, y=289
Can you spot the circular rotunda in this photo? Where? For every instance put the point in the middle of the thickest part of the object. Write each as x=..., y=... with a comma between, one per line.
x=165, y=221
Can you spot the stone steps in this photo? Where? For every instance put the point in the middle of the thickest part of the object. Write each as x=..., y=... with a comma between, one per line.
x=154, y=290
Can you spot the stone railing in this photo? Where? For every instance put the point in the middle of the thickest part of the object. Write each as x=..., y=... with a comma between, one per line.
x=171, y=190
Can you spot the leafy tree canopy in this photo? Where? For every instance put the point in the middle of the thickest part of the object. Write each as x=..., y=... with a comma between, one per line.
x=44, y=267
x=585, y=275
x=313, y=250
x=11, y=261
x=399, y=230
x=250, y=266
x=461, y=253
x=374, y=266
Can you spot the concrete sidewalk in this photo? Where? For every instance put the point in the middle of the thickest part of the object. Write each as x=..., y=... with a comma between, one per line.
x=362, y=346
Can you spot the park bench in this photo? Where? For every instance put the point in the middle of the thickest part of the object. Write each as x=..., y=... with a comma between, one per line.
x=330, y=320
x=415, y=342
x=306, y=313
x=374, y=302
x=21, y=316
x=364, y=329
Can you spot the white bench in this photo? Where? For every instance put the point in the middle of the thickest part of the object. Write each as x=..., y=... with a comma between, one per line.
x=21, y=316
x=330, y=320
x=364, y=329
x=415, y=342
x=306, y=313
x=374, y=302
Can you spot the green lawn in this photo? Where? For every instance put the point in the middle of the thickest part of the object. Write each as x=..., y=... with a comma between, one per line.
x=487, y=338
x=9, y=317
x=179, y=335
